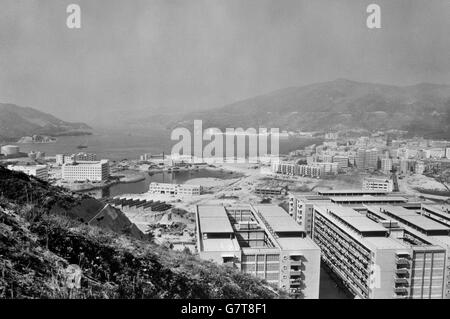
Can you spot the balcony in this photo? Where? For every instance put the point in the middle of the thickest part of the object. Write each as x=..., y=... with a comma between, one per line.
x=403, y=255
x=402, y=291
x=401, y=281
x=296, y=263
x=296, y=272
x=402, y=261
x=403, y=272
x=296, y=283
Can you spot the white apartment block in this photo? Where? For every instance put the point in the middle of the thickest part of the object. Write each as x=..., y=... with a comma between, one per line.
x=381, y=184
x=379, y=246
x=297, y=170
x=81, y=157
x=386, y=165
x=419, y=168
x=175, y=189
x=384, y=252
x=435, y=153
x=367, y=158
x=342, y=161
x=261, y=240
x=327, y=167
x=86, y=171
x=39, y=171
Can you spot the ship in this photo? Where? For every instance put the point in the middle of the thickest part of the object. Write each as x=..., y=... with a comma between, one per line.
x=81, y=146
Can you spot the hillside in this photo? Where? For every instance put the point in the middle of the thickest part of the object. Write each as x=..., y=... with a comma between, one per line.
x=421, y=109
x=17, y=121
x=38, y=243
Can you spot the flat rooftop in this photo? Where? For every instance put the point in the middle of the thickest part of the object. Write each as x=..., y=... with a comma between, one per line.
x=367, y=199
x=278, y=219
x=349, y=191
x=415, y=220
x=445, y=240
x=214, y=219
x=358, y=221
x=221, y=244
x=296, y=243
x=384, y=243
x=439, y=210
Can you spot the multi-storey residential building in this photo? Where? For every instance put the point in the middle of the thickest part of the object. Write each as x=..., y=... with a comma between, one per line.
x=79, y=157
x=9, y=150
x=386, y=165
x=378, y=256
x=301, y=209
x=428, y=265
x=381, y=184
x=86, y=157
x=407, y=166
x=341, y=160
x=327, y=167
x=301, y=205
x=60, y=159
x=297, y=170
x=327, y=158
x=261, y=240
x=175, y=189
x=39, y=171
x=367, y=158
x=435, y=153
x=86, y=171
x=419, y=167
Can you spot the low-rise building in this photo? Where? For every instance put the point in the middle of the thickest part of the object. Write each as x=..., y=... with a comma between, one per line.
x=175, y=189
x=381, y=184
x=10, y=150
x=270, y=190
x=39, y=171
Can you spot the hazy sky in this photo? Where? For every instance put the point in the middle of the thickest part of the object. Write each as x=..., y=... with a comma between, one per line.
x=171, y=55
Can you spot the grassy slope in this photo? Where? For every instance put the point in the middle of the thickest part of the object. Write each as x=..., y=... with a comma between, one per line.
x=37, y=246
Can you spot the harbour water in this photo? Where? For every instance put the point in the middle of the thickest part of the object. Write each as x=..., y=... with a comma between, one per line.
x=180, y=177
x=117, y=145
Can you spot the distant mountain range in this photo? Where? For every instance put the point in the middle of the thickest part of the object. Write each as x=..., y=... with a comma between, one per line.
x=422, y=109
x=17, y=121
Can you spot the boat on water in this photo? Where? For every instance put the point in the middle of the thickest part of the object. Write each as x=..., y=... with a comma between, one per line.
x=84, y=145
